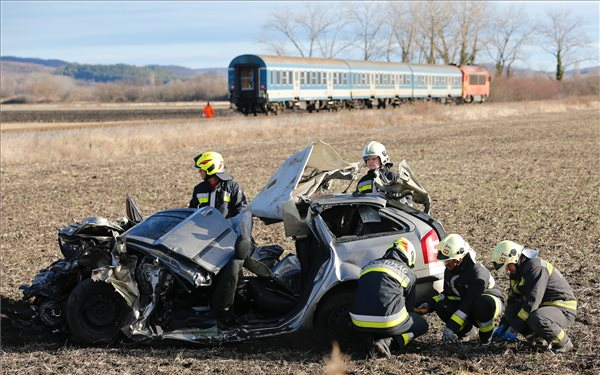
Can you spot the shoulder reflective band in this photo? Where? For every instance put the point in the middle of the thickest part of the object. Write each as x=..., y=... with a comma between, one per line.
x=365, y=186
x=549, y=266
x=371, y=321
x=566, y=304
x=202, y=197
x=403, y=280
x=524, y=315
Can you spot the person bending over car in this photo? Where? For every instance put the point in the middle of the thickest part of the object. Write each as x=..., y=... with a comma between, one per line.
x=219, y=190
x=385, y=298
x=379, y=172
x=470, y=297
x=541, y=303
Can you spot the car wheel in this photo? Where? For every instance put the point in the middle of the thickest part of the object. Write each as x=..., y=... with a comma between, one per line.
x=95, y=312
x=334, y=315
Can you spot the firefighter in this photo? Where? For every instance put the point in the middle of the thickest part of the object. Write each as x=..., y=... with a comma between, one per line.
x=470, y=297
x=541, y=303
x=385, y=299
x=218, y=189
x=208, y=111
x=379, y=172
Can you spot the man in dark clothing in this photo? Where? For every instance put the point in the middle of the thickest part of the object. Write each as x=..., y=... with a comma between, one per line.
x=385, y=299
x=541, y=303
x=379, y=173
x=219, y=190
x=470, y=298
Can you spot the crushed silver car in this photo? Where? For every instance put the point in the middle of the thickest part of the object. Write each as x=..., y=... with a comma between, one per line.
x=153, y=279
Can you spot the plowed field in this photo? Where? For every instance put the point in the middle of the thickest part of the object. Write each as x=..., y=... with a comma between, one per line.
x=530, y=177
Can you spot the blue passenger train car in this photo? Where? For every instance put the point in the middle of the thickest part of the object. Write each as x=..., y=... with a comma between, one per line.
x=271, y=84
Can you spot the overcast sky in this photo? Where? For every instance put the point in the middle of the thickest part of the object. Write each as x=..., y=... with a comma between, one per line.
x=186, y=33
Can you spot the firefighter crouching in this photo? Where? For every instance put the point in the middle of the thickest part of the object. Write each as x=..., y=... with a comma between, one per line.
x=470, y=298
x=541, y=303
x=385, y=299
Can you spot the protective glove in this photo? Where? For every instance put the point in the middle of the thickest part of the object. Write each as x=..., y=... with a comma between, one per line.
x=510, y=334
x=498, y=333
x=423, y=309
x=449, y=335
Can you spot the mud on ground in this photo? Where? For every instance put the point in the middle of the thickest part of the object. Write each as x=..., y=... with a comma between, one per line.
x=530, y=178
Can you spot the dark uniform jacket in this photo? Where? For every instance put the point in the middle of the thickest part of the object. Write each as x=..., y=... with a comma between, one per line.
x=465, y=284
x=385, y=295
x=367, y=183
x=227, y=197
x=537, y=283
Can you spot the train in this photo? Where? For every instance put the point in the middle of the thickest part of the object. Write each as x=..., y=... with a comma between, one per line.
x=273, y=84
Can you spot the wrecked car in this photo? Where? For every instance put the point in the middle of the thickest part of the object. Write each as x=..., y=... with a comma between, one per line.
x=153, y=279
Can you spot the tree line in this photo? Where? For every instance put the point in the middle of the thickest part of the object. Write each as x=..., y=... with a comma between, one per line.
x=426, y=32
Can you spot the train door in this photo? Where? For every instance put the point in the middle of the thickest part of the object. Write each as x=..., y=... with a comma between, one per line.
x=329, y=84
x=248, y=84
x=296, y=84
x=372, y=84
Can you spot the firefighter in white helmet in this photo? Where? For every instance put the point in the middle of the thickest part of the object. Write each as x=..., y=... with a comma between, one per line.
x=541, y=303
x=470, y=299
x=385, y=299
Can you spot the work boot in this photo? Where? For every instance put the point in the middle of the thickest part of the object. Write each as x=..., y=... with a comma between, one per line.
x=537, y=342
x=567, y=346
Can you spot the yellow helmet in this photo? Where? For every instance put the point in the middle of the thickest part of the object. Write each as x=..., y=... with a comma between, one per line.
x=211, y=162
x=375, y=149
x=506, y=252
x=453, y=246
x=406, y=250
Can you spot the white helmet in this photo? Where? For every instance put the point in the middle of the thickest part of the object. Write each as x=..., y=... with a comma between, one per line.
x=453, y=246
x=405, y=249
x=376, y=149
x=506, y=252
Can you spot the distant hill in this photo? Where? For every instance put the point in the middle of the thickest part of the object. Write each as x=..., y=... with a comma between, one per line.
x=118, y=72
x=13, y=67
x=33, y=60
x=186, y=73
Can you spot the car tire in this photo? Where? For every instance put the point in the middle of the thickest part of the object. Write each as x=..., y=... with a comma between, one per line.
x=334, y=316
x=95, y=313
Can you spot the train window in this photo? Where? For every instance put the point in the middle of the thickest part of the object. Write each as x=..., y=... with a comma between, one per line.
x=290, y=78
x=303, y=78
x=477, y=79
x=323, y=78
x=284, y=78
x=247, y=78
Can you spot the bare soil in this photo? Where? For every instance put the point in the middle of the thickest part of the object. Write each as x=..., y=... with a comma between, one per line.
x=532, y=178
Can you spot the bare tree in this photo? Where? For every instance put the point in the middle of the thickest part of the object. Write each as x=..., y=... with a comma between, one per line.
x=471, y=19
x=510, y=31
x=334, y=38
x=561, y=37
x=403, y=29
x=367, y=24
x=282, y=22
x=433, y=19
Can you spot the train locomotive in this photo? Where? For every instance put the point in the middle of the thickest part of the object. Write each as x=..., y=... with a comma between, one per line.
x=272, y=84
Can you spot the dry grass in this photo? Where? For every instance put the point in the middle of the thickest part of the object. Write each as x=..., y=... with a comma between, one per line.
x=147, y=137
x=525, y=172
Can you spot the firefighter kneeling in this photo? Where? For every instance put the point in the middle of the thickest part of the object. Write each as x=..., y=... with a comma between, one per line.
x=541, y=303
x=470, y=298
x=385, y=299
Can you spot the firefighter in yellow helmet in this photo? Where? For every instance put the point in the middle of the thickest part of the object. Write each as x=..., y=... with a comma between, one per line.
x=217, y=189
x=541, y=303
x=470, y=297
x=379, y=172
x=385, y=299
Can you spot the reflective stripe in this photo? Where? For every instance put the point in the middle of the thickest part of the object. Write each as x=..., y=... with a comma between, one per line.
x=454, y=298
x=407, y=337
x=459, y=317
x=491, y=282
x=524, y=315
x=403, y=280
x=566, y=304
x=372, y=321
x=497, y=303
x=486, y=326
x=561, y=335
x=365, y=186
x=549, y=266
x=226, y=196
x=202, y=197
x=439, y=297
